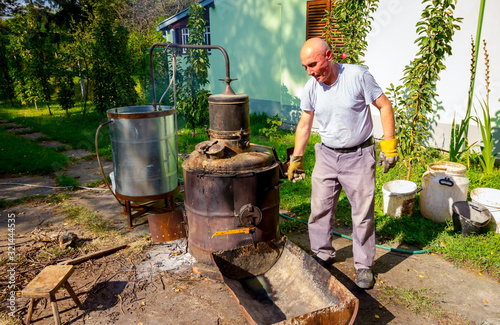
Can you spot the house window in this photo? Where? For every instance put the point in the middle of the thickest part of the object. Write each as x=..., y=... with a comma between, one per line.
x=184, y=38
x=207, y=38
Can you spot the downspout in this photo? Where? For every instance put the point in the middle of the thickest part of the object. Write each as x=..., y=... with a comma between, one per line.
x=280, y=51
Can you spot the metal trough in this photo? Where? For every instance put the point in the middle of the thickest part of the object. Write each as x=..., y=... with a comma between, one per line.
x=276, y=282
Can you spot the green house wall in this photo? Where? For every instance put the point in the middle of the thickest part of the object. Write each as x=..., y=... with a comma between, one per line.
x=255, y=38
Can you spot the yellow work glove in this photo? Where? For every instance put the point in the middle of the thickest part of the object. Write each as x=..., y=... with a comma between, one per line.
x=389, y=154
x=296, y=168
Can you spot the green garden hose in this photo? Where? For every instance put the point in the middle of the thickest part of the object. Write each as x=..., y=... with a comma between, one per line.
x=350, y=238
x=378, y=246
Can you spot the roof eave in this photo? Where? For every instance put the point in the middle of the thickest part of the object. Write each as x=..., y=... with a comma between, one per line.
x=164, y=25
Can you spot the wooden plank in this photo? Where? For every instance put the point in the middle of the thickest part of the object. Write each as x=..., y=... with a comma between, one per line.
x=97, y=254
x=48, y=281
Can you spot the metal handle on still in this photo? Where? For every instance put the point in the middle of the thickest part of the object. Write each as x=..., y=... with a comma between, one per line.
x=250, y=216
x=99, y=160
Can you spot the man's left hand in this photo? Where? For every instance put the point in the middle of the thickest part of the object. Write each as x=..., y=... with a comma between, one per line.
x=389, y=155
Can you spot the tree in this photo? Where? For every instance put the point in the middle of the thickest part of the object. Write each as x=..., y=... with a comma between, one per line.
x=141, y=17
x=350, y=22
x=414, y=100
x=112, y=69
x=101, y=42
x=66, y=92
x=33, y=49
x=6, y=82
x=192, y=98
x=8, y=7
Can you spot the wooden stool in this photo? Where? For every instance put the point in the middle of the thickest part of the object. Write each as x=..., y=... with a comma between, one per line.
x=46, y=284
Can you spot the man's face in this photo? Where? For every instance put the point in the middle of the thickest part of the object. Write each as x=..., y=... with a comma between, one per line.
x=317, y=65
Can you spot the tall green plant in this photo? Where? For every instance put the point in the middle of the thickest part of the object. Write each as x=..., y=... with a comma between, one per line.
x=192, y=98
x=476, y=50
x=487, y=158
x=415, y=108
x=459, y=143
x=457, y=139
x=349, y=21
x=473, y=68
x=458, y=136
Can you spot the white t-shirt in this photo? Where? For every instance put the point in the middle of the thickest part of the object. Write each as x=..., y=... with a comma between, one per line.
x=343, y=108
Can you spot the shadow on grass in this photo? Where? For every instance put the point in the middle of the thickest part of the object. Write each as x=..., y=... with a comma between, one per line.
x=413, y=230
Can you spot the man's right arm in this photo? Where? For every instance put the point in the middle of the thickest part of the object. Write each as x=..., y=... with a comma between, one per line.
x=303, y=132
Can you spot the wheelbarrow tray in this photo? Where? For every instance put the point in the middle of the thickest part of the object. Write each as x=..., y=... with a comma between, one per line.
x=276, y=282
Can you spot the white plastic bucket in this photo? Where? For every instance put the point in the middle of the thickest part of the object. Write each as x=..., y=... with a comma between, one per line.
x=490, y=198
x=399, y=197
x=443, y=184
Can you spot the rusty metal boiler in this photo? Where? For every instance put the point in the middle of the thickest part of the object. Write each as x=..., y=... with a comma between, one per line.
x=231, y=185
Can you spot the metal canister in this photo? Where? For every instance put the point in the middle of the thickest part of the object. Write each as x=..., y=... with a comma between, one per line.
x=230, y=120
x=144, y=147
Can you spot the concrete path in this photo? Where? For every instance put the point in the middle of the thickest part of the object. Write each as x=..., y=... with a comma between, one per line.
x=466, y=297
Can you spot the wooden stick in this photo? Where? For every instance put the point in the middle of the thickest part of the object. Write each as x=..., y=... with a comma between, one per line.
x=97, y=254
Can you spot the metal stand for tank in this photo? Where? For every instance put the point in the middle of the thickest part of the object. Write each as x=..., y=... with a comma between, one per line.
x=148, y=205
x=142, y=204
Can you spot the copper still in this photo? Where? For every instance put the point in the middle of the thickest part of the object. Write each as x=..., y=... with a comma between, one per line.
x=231, y=185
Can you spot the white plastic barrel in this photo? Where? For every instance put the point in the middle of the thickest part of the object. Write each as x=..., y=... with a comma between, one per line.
x=443, y=184
x=490, y=198
x=399, y=197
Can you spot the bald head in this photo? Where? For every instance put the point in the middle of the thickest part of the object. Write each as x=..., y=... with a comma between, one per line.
x=314, y=46
x=316, y=58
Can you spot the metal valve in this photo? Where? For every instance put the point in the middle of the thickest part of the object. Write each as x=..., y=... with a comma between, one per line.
x=249, y=215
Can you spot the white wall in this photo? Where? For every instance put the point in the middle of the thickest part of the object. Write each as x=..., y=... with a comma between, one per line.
x=391, y=47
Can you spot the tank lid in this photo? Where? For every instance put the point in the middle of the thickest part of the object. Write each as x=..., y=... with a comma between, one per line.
x=138, y=112
x=252, y=160
x=448, y=168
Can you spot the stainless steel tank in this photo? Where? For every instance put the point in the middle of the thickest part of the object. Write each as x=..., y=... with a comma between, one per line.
x=144, y=147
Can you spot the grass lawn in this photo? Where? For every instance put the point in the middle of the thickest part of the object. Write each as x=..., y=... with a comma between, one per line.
x=76, y=130
x=481, y=252
x=23, y=156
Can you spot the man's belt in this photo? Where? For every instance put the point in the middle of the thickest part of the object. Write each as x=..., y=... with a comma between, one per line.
x=365, y=144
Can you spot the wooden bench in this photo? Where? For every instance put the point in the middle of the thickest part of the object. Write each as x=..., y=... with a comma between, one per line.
x=46, y=284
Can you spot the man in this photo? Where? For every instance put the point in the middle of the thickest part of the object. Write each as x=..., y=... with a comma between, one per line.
x=339, y=96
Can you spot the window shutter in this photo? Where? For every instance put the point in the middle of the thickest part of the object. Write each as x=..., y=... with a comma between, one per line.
x=315, y=13
x=314, y=26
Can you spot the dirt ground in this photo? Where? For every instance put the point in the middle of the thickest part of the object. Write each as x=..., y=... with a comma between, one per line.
x=149, y=283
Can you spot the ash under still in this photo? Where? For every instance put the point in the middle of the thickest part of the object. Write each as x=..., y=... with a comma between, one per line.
x=171, y=256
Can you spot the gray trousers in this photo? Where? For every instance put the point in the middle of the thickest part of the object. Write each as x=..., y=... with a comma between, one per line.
x=355, y=173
